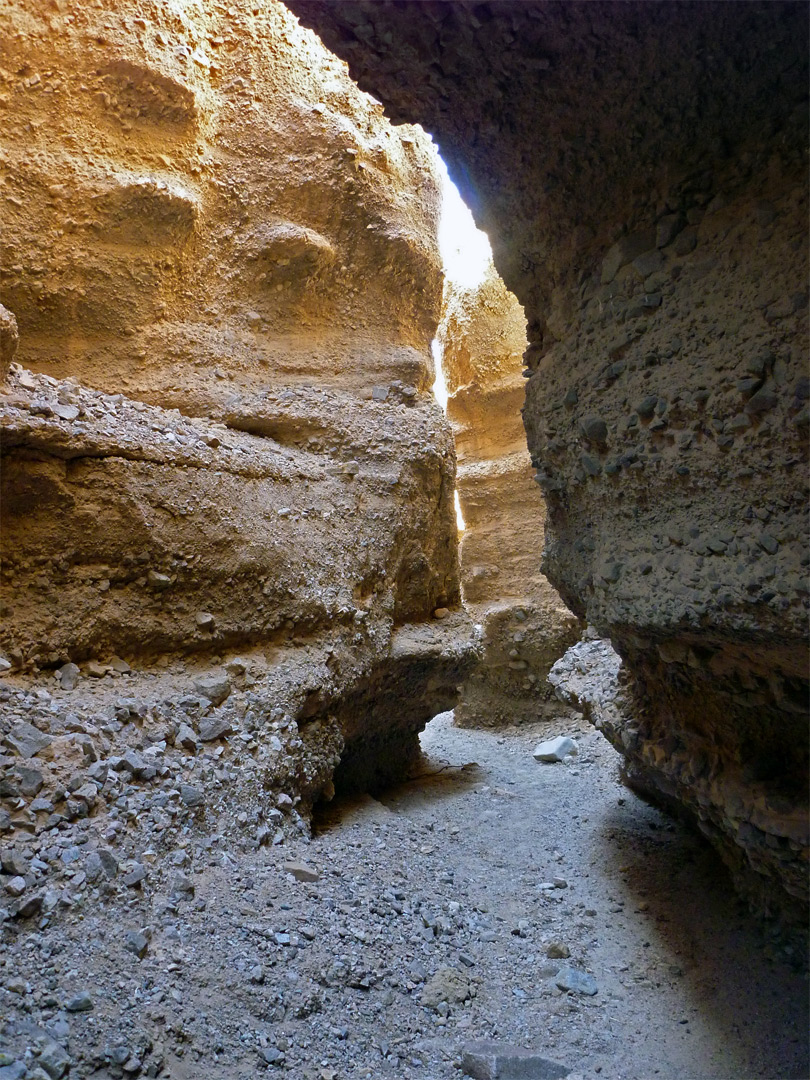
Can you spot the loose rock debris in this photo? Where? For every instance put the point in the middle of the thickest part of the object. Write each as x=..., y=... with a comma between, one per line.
x=471, y=906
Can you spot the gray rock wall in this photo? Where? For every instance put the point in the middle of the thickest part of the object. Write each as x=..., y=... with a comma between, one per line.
x=641, y=172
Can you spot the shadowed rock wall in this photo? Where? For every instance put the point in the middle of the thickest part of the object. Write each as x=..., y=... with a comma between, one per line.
x=641, y=171
x=219, y=442
x=525, y=625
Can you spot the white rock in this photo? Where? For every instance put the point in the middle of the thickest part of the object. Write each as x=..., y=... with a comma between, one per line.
x=554, y=749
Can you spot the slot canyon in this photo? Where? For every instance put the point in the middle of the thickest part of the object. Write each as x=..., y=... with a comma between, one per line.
x=404, y=662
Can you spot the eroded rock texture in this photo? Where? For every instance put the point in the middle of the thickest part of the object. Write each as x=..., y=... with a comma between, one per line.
x=219, y=436
x=525, y=625
x=641, y=172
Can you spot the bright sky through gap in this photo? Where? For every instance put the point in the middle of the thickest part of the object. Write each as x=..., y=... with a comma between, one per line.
x=466, y=256
x=440, y=385
x=465, y=250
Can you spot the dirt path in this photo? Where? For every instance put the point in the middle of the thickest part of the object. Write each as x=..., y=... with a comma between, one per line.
x=459, y=871
x=687, y=986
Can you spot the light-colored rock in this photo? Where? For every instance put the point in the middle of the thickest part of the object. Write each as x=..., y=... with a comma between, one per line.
x=301, y=871
x=526, y=627
x=449, y=985
x=554, y=750
x=9, y=339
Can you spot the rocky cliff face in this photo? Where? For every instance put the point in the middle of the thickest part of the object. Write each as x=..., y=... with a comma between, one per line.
x=641, y=173
x=227, y=491
x=525, y=625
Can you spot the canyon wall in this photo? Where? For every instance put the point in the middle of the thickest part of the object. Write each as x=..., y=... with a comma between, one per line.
x=641, y=172
x=227, y=490
x=525, y=625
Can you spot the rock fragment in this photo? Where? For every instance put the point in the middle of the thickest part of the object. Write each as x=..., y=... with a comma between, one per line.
x=9, y=338
x=214, y=727
x=31, y=781
x=191, y=796
x=575, y=981
x=181, y=887
x=27, y=906
x=26, y=740
x=135, y=876
x=214, y=687
x=132, y=762
x=448, y=985
x=54, y=1059
x=499, y=1061
x=99, y=864
x=69, y=675
x=95, y=670
x=16, y=1070
x=553, y=750
x=82, y=1002
x=187, y=737
x=157, y=581
x=15, y=886
x=271, y=1055
x=594, y=429
x=137, y=943
x=301, y=871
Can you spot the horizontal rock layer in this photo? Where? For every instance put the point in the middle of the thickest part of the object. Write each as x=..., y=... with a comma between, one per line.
x=525, y=625
x=218, y=438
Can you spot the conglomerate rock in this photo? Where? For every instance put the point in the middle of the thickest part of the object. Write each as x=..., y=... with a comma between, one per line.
x=525, y=626
x=641, y=171
x=219, y=439
x=9, y=338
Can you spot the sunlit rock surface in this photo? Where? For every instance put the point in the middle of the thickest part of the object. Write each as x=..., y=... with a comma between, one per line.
x=218, y=435
x=525, y=625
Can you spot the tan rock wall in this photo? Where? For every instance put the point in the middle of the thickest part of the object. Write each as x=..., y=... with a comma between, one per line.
x=203, y=203
x=219, y=436
x=526, y=627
